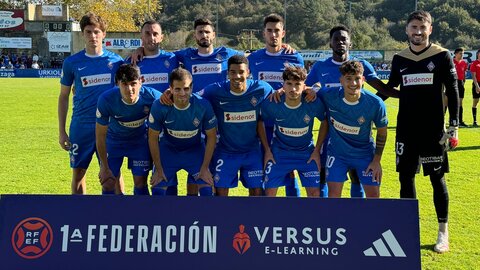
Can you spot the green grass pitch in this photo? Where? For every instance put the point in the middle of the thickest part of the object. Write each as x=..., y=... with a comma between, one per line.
x=32, y=162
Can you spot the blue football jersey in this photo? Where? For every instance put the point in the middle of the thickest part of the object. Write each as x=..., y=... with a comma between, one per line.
x=91, y=76
x=206, y=69
x=155, y=69
x=328, y=74
x=182, y=129
x=126, y=122
x=237, y=114
x=350, y=124
x=293, y=126
x=269, y=67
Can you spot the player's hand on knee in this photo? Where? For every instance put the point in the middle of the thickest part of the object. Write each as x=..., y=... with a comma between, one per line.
x=166, y=98
x=157, y=177
x=268, y=156
x=276, y=96
x=315, y=156
x=375, y=168
x=206, y=176
x=64, y=141
x=107, y=179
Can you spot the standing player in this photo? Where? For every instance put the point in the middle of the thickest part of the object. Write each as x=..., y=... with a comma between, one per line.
x=351, y=112
x=327, y=74
x=475, y=70
x=267, y=64
x=181, y=145
x=461, y=67
x=121, y=129
x=422, y=70
x=91, y=72
x=292, y=144
x=156, y=64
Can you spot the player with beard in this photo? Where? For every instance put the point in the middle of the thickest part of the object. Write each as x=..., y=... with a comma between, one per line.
x=267, y=64
x=156, y=64
x=423, y=70
x=327, y=73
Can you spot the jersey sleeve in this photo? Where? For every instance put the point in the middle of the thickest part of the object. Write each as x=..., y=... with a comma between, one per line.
x=67, y=77
x=265, y=112
x=312, y=76
x=300, y=61
x=381, y=119
x=451, y=88
x=209, y=91
x=180, y=54
x=156, y=117
x=368, y=71
x=320, y=110
x=209, y=119
x=103, y=114
x=395, y=78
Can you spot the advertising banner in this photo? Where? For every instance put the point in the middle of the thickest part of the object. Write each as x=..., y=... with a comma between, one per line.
x=12, y=20
x=59, y=41
x=16, y=42
x=30, y=73
x=143, y=232
x=122, y=43
x=52, y=10
x=317, y=55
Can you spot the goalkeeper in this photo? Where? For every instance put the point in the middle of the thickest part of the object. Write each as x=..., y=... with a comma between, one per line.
x=422, y=70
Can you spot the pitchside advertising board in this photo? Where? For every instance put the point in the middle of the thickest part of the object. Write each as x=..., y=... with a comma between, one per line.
x=142, y=232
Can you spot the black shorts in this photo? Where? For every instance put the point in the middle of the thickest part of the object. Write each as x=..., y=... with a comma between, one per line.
x=429, y=153
x=474, y=92
x=461, y=88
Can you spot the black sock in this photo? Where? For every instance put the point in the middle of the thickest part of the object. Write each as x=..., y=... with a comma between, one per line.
x=460, y=114
x=440, y=197
x=407, y=185
x=474, y=113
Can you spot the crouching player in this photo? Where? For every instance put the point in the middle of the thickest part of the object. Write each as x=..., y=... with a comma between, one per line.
x=121, y=129
x=351, y=111
x=292, y=144
x=181, y=145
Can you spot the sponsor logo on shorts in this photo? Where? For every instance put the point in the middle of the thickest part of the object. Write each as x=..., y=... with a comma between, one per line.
x=98, y=79
x=141, y=163
x=257, y=173
x=154, y=78
x=240, y=117
x=293, y=132
x=271, y=76
x=311, y=174
x=344, y=128
x=241, y=240
x=206, y=69
x=432, y=159
x=133, y=124
x=182, y=134
x=32, y=238
x=418, y=79
x=367, y=174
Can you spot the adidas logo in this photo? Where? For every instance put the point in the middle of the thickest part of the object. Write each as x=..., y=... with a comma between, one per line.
x=382, y=250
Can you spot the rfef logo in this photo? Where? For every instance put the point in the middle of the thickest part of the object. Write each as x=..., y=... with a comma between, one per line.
x=32, y=238
x=241, y=240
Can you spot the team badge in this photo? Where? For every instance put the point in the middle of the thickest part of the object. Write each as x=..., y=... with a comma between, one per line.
x=219, y=57
x=167, y=64
x=196, y=122
x=254, y=101
x=306, y=119
x=361, y=120
x=430, y=66
x=146, y=109
x=32, y=238
x=110, y=65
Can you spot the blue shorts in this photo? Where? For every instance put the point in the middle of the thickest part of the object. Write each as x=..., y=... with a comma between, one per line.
x=173, y=160
x=338, y=166
x=82, y=139
x=287, y=161
x=138, y=154
x=227, y=165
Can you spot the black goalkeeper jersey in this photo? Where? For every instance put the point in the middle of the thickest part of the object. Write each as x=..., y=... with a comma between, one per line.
x=422, y=78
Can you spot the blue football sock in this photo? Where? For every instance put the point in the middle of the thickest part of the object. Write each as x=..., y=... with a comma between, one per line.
x=292, y=189
x=323, y=190
x=104, y=192
x=205, y=191
x=158, y=191
x=141, y=191
x=356, y=191
x=172, y=191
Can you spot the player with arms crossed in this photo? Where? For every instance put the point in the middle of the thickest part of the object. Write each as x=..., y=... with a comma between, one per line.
x=292, y=144
x=267, y=64
x=121, y=129
x=422, y=71
x=91, y=72
x=351, y=112
x=181, y=145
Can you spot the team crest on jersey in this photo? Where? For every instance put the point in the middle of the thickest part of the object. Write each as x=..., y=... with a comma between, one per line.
x=219, y=57
x=196, y=122
x=166, y=64
x=430, y=66
x=146, y=109
x=254, y=101
x=110, y=65
x=306, y=119
x=361, y=120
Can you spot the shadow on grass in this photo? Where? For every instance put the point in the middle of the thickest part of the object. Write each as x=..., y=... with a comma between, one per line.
x=428, y=247
x=467, y=148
